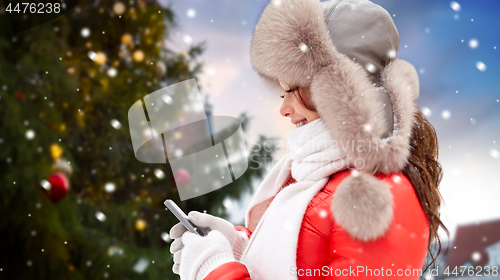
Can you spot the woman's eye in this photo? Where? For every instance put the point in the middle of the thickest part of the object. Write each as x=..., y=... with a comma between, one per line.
x=291, y=90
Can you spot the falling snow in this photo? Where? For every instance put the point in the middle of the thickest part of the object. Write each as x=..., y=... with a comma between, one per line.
x=85, y=32
x=455, y=6
x=167, y=99
x=494, y=153
x=100, y=216
x=367, y=127
x=446, y=114
x=303, y=47
x=481, y=66
x=426, y=111
x=159, y=174
x=91, y=55
x=45, y=184
x=191, y=13
x=227, y=203
x=109, y=188
x=112, y=72
x=187, y=39
x=30, y=134
x=116, y=124
x=371, y=68
x=323, y=213
x=473, y=43
x=476, y=256
x=276, y=3
x=396, y=179
x=165, y=236
x=391, y=53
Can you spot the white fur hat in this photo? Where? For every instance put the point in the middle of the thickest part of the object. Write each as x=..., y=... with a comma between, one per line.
x=307, y=43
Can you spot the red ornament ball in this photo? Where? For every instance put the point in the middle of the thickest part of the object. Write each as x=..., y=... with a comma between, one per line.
x=20, y=95
x=181, y=177
x=59, y=187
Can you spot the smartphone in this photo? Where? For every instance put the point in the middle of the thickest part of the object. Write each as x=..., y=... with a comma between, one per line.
x=182, y=217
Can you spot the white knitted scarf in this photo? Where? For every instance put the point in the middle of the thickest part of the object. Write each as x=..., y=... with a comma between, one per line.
x=315, y=155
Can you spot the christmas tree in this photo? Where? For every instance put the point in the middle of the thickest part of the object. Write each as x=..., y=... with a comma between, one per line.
x=75, y=202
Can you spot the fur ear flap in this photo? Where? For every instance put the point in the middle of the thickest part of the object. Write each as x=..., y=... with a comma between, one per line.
x=401, y=78
x=347, y=102
x=362, y=205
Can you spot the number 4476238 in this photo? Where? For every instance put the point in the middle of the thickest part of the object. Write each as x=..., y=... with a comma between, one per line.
x=471, y=271
x=32, y=8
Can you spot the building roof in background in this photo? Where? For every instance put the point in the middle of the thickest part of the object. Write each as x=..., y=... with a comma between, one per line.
x=471, y=241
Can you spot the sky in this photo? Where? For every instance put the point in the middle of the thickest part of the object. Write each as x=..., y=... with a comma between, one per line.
x=455, y=47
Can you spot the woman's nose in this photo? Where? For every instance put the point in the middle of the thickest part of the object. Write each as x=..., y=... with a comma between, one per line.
x=286, y=109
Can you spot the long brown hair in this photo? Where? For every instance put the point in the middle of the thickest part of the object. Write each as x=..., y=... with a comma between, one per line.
x=425, y=173
x=423, y=170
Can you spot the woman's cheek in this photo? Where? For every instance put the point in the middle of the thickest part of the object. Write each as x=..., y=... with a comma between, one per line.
x=299, y=108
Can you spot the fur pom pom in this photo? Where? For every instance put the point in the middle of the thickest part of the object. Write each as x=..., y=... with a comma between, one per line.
x=362, y=205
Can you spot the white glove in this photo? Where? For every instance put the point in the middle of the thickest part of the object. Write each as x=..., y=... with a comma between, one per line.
x=202, y=254
x=176, y=233
x=237, y=239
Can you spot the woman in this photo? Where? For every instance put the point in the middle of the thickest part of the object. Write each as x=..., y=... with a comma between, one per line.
x=357, y=196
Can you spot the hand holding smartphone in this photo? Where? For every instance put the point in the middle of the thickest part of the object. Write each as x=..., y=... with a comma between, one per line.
x=182, y=217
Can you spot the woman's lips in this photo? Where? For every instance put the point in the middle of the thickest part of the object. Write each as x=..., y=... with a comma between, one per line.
x=301, y=123
x=296, y=122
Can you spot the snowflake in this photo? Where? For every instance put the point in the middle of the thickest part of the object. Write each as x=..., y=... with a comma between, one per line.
x=367, y=127
x=445, y=114
x=455, y=6
x=303, y=47
x=481, y=66
x=427, y=112
x=473, y=43
x=323, y=213
x=371, y=68
x=396, y=179
x=100, y=216
x=494, y=153
x=191, y=13
x=30, y=134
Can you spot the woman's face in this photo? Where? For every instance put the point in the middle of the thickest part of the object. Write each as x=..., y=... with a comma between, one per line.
x=293, y=108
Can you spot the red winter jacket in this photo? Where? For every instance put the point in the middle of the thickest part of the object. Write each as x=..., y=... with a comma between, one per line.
x=326, y=251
